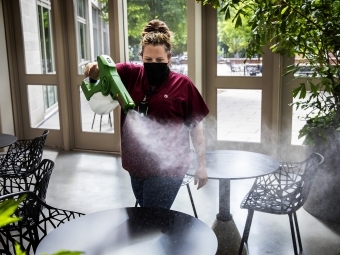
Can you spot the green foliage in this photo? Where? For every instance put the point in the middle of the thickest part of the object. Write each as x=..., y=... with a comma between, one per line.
x=7, y=216
x=139, y=12
x=18, y=250
x=306, y=28
x=235, y=39
x=7, y=210
x=64, y=252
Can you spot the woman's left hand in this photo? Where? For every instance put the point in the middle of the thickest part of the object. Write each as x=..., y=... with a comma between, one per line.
x=201, y=177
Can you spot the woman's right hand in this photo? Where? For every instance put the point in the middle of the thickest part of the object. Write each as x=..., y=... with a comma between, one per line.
x=92, y=70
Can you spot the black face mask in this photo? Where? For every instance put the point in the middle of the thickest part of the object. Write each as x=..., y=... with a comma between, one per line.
x=156, y=73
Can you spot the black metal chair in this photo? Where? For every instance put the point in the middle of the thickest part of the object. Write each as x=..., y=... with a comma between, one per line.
x=23, y=155
x=37, y=220
x=186, y=181
x=36, y=180
x=282, y=192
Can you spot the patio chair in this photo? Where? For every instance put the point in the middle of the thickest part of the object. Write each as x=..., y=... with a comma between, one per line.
x=186, y=181
x=37, y=220
x=36, y=181
x=282, y=192
x=23, y=156
x=100, y=122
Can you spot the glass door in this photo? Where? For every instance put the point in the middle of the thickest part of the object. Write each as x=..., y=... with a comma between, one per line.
x=96, y=123
x=35, y=74
x=114, y=28
x=241, y=95
x=50, y=46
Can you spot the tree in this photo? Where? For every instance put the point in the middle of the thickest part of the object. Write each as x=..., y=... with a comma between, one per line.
x=139, y=12
x=236, y=40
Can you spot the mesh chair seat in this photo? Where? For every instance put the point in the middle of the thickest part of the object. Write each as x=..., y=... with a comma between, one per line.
x=36, y=181
x=37, y=220
x=23, y=156
x=277, y=193
x=282, y=192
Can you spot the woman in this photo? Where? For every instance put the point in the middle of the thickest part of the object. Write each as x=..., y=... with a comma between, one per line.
x=155, y=142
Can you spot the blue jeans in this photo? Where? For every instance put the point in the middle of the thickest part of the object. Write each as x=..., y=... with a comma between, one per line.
x=155, y=191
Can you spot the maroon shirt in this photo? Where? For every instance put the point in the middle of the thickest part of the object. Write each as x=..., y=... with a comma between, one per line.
x=158, y=144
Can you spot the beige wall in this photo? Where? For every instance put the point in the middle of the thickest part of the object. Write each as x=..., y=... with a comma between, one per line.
x=32, y=59
x=6, y=110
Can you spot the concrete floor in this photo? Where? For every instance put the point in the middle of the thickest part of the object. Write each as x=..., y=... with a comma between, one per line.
x=93, y=181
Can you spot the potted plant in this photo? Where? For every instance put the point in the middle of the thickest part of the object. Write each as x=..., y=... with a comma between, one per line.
x=309, y=29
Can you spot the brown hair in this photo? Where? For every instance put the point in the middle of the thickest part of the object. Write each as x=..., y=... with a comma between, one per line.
x=156, y=32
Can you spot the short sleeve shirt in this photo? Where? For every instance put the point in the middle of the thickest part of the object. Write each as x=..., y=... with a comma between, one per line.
x=158, y=144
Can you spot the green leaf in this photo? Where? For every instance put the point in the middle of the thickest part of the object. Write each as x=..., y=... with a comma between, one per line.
x=7, y=209
x=284, y=9
x=65, y=252
x=297, y=90
x=18, y=250
x=238, y=22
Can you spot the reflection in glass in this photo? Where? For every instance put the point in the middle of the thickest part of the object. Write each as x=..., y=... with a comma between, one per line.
x=95, y=31
x=81, y=8
x=90, y=45
x=43, y=106
x=231, y=47
x=92, y=122
x=239, y=115
x=82, y=46
x=46, y=40
x=37, y=35
x=82, y=37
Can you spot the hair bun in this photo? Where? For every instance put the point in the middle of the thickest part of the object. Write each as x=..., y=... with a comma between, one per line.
x=156, y=26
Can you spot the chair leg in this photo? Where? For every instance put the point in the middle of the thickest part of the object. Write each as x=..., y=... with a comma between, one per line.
x=94, y=116
x=100, y=124
x=136, y=204
x=246, y=230
x=292, y=232
x=191, y=200
x=297, y=232
x=110, y=122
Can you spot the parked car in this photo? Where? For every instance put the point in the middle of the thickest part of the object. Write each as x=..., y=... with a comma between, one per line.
x=174, y=60
x=183, y=60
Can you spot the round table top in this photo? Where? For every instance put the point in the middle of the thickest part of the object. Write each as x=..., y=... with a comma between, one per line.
x=6, y=140
x=233, y=164
x=132, y=231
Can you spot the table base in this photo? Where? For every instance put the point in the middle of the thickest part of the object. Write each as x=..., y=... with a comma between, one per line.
x=228, y=238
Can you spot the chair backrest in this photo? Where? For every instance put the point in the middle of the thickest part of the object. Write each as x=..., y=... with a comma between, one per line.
x=37, y=220
x=24, y=155
x=287, y=189
x=36, y=181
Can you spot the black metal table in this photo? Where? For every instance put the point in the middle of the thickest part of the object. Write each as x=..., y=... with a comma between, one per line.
x=132, y=231
x=6, y=140
x=224, y=166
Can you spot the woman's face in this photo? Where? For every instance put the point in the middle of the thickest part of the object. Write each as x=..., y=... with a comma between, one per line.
x=155, y=54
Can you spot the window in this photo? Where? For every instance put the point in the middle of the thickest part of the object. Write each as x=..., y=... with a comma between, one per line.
x=96, y=32
x=46, y=40
x=231, y=46
x=37, y=33
x=82, y=36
